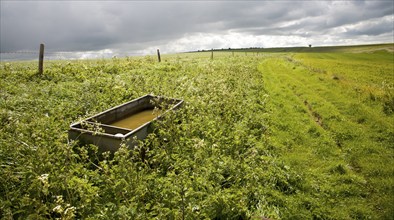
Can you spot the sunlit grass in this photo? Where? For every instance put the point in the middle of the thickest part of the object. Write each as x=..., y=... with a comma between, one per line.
x=334, y=130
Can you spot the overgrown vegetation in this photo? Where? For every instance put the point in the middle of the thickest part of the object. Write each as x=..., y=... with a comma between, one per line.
x=268, y=136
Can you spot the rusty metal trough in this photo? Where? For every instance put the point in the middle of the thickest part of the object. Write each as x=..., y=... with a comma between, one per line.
x=98, y=130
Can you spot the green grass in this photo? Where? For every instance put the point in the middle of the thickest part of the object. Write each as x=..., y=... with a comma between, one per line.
x=330, y=124
x=276, y=135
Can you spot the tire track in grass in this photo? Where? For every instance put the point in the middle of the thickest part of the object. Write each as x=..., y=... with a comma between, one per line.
x=323, y=141
x=289, y=106
x=357, y=124
x=316, y=116
x=328, y=101
x=304, y=145
x=362, y=130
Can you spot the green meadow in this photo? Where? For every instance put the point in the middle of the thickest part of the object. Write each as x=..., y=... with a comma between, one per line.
x=282, y=133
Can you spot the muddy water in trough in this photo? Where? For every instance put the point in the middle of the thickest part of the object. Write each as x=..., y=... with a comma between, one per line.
x=137, y=119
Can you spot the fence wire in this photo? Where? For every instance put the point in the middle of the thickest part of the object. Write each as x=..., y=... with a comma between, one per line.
x=63, y=55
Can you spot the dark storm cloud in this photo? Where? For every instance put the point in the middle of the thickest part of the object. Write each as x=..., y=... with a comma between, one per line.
x=135, y=25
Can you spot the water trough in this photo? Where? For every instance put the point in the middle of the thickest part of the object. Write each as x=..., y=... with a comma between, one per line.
x=122, y=123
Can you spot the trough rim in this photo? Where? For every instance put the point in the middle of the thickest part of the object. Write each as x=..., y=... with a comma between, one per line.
x=131, y=131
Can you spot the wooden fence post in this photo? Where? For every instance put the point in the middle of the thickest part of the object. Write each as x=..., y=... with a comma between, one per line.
x=41, y=60
x=158, y=55
x=212, y=54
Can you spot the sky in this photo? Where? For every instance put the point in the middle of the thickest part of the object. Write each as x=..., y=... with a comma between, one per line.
x=116, y=28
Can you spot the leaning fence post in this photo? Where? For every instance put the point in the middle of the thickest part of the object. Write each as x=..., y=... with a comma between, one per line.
x=158, y=55
x=41, y=59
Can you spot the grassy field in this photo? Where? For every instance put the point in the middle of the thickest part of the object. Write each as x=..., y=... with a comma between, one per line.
x=284, y=135
x=333, y=122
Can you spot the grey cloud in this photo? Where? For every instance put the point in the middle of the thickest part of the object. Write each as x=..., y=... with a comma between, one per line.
x=320, y=17
x=371, y=28
x=134, y=25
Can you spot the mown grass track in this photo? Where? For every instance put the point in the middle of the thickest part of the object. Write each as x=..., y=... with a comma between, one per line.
x=331, y=124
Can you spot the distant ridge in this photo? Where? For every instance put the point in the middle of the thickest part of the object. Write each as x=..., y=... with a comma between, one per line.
x=367, y=48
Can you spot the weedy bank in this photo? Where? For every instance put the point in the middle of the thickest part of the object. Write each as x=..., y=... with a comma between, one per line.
x=274, y=135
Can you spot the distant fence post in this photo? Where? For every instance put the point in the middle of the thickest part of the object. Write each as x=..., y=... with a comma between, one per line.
x=212, y=54
x=158, y=55
x=41, y=60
